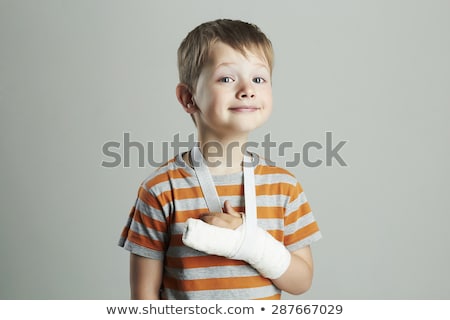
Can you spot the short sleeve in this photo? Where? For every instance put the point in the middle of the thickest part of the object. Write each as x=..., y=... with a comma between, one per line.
x=300, y=227
x=145, y=232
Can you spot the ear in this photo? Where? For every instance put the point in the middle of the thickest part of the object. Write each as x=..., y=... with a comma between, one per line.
x=185, y=98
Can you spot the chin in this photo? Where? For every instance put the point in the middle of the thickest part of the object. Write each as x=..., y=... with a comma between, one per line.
x=247, y=127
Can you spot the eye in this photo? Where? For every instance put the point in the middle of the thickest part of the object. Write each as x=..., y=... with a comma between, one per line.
x=258, y=80
x=226, y=80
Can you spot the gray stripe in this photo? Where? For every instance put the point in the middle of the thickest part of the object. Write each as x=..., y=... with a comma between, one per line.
x=296, y=203
x=305, y=242
x=270, y=178
x=200, y=204
x=271, y=224
x=177, y=228
x=272, y=200
x=190, y=204
x=178, y=183
x=148, y=232
x=300, y=223
x=183, y=251
x=212, y=272
x=151, y=212
x=141, y=251
x=229, y=294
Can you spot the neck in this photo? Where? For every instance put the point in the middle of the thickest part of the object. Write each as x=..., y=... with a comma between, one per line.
x=223, y=155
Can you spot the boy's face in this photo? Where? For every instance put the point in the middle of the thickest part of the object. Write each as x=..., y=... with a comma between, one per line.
x=233, y=93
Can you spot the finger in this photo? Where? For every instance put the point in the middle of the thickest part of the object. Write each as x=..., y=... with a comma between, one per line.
x=230, y=210
x=209, y=215
x=222, y=220
x=216, y=219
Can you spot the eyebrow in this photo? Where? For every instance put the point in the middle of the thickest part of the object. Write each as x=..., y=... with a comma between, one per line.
x=225, y=64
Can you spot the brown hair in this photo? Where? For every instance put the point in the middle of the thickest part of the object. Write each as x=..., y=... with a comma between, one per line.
x=194, y=50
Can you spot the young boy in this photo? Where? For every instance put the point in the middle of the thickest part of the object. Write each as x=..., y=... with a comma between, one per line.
x=182, y=247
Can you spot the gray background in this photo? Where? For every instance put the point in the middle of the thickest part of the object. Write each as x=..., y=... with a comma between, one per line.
x=76, y=74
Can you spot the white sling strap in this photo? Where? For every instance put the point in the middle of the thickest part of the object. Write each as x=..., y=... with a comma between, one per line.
x=209, y=189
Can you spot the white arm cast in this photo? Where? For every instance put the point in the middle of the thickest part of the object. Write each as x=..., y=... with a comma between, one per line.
x=253, y=245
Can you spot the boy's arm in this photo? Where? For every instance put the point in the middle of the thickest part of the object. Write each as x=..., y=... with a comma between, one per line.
x=293, y=271
x=297, y=279
x=145, y=277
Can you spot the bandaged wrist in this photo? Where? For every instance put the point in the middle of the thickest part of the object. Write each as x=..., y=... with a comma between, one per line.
x=251, y=244
x=211, y=239
x=263, y=252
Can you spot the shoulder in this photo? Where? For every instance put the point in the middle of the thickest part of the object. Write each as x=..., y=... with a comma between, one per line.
x=168, y=174
x=271, y=173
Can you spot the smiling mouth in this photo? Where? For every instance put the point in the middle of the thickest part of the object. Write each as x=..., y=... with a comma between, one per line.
x=244, y=109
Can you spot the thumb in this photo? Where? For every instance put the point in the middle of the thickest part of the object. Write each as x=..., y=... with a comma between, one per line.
x=229, y=209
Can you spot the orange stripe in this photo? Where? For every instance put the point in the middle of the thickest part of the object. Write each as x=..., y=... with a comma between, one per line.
x=148, y=199
x=298, y=188
x=201, y=262
x=125, y=231
x=302, y=233
x=195, y=193
x=230, y=190
x=186, y=193
x=217, y=283
x=155, y=180
x=271, y=213
x=274, y=297
x=179, y=173
x=149, y=222
x=182, y=216
x=165, y=176
x=176, y=240
x=302, y=211
x=274, y=189
x=277, y=234
x=264, y=169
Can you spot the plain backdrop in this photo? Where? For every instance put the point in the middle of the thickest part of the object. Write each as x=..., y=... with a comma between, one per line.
x=75, y=75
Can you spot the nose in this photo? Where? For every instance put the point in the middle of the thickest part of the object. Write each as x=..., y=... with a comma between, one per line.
x=246, y=91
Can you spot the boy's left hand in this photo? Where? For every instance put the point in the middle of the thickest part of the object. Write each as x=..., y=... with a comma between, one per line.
x=230, y=218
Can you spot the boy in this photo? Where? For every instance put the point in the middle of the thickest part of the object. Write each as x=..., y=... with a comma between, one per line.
x=182, y=246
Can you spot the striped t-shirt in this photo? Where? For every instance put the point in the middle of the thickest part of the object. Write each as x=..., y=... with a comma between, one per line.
x=171, y=195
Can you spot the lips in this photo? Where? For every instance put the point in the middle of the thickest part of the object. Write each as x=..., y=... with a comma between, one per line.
x=244, y=109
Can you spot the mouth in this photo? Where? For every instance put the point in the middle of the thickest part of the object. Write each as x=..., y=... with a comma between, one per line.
x=244, y=109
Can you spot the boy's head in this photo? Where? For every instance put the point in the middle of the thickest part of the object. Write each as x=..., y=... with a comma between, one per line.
x=194, y=50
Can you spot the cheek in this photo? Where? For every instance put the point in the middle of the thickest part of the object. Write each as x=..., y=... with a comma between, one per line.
x=268, y=99
x=212, y=99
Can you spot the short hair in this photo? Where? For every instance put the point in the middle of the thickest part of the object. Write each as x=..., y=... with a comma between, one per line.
x=194, y=50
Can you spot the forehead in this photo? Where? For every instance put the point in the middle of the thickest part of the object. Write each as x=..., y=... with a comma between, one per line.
x=221, y=53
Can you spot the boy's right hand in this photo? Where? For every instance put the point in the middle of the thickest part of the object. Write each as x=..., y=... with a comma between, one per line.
x=230, y=218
